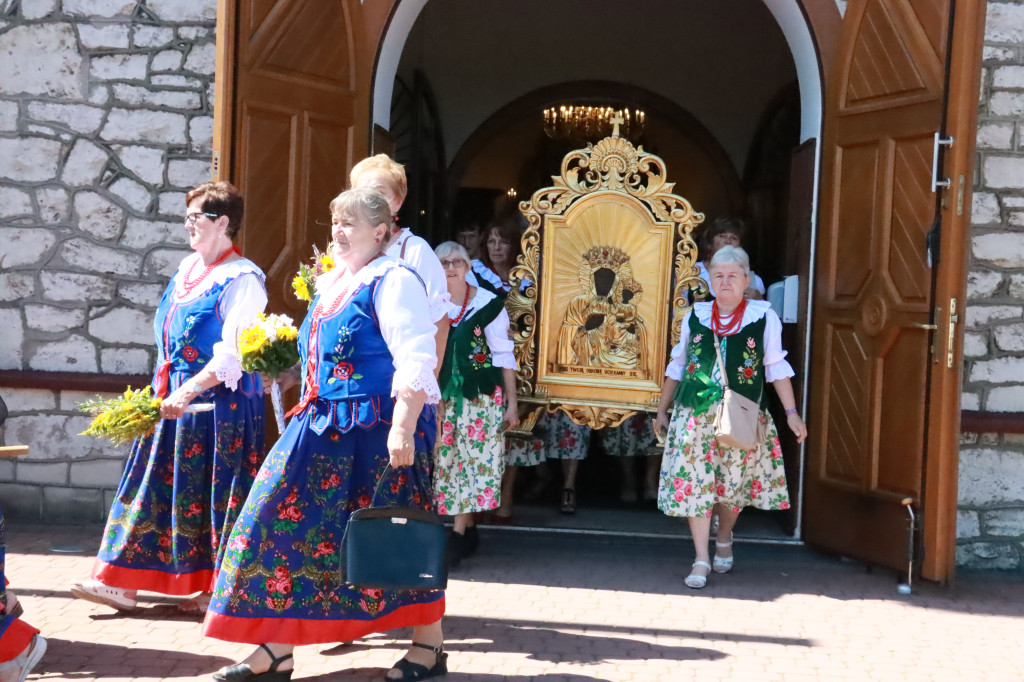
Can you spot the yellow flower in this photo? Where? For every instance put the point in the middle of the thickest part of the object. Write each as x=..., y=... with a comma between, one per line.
x=252, y=340
x=287, y=333
x=301, y=288
x=326, y=262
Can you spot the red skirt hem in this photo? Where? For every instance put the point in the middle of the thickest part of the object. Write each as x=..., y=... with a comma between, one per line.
x=300, y=631
x=151, y=580
x=18, y=635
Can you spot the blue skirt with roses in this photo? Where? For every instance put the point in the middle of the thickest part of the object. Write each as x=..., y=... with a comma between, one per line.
x=280, y=579
x=181, y=490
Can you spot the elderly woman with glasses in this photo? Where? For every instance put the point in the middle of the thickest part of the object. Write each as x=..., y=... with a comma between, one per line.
x=478, y=390
x=367, y=358
x=183, y=485
x=701, y=476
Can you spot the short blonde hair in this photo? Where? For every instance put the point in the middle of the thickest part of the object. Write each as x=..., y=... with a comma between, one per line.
x=364, y=204
x=392, y=171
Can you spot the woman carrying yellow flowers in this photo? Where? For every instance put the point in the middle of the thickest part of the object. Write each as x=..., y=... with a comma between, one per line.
x=184, y=484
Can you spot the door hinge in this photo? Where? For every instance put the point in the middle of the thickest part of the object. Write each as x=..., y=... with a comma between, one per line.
x=215, y=168
x=960, y=196
x=954, y=317
x=939, y=142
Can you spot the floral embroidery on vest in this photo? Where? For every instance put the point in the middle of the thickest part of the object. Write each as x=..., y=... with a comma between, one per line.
x=747, y=372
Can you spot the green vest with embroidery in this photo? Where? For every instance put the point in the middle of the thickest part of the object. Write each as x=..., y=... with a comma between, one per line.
x=467, y=371
x=742, y=356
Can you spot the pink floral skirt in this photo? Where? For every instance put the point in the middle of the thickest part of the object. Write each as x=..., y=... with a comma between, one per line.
x=469, y=460
x=696, y=472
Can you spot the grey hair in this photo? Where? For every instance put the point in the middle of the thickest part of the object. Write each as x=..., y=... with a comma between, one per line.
x=731, y=255
x=446, y=249
x=363, y=203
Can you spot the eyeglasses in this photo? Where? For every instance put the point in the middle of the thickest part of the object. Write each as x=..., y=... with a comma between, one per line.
x=191, y=218
x=455, y=263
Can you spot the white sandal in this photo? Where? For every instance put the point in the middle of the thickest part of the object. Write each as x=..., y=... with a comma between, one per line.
x=98, y=593
x=722, y=564
x=697, y=581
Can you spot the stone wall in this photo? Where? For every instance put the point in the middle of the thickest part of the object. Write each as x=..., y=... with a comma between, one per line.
x=990, y=527
x=106, y=119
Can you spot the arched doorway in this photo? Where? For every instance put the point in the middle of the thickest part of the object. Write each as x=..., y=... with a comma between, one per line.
x=730, y=100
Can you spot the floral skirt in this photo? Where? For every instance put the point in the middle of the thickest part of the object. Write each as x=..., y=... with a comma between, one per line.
x=565, y=438
x=280, y=578
x=15, y=634
x=696, y=472
x=469, y=462
x=633, y=438
x=524, y=452
x=180, y=493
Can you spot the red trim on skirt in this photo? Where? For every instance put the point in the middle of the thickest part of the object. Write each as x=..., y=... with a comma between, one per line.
x=152, y=580
x=17, y=636
x=302, y=631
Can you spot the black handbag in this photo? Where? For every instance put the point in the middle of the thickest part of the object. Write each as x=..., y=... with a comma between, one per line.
x=394, y=548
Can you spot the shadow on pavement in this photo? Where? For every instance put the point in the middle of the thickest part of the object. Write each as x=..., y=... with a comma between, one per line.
x=761, y=573
x=549, y=642
x=74, y=660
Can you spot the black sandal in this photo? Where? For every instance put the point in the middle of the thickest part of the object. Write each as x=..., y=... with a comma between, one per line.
x=414, y=671
x=241, y=672
x=568, y=500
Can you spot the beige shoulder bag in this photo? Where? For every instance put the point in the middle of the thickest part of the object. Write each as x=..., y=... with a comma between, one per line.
x=736, y=424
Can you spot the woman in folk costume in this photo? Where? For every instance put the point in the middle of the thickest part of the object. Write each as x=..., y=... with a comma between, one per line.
x=699, y=476
x=21, y=645
x=183, y=486
x=387, y=177
x=367, y=358
x=478, y=390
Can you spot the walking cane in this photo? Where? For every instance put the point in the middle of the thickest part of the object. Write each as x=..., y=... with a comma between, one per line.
x=907, y=587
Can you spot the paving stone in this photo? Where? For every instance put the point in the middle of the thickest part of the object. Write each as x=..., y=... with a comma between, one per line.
x=608, y=611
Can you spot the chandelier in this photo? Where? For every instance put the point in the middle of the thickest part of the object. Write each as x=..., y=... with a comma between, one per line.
x=585, y=123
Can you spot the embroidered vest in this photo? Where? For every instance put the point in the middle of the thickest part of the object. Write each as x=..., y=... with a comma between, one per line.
x=186, y=333
x=742, y=356
x=354, y=367
x=467, y=371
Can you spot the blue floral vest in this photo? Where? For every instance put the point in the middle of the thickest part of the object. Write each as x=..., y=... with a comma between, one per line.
x=352, y=364
x=186, y=333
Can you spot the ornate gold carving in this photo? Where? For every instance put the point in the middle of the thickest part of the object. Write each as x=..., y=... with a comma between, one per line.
x=611, y=201
x=527, y=421
x=596, y=416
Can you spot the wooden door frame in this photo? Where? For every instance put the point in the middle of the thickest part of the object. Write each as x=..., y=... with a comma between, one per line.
x=943, y=437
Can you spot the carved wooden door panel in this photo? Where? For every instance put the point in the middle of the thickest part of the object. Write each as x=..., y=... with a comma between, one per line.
x=873, y=289
x=287, y=141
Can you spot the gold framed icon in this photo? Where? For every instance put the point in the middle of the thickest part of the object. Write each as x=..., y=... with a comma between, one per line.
x=600, y=290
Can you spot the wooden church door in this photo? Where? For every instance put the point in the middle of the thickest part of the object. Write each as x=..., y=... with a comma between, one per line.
x=884, y=410
x=289, y=120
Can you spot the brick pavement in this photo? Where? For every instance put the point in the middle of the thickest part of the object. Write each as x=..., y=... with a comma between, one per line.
x=555, y=609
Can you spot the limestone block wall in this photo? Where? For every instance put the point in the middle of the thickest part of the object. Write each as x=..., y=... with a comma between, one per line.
x=106, y=119
x=990, y=526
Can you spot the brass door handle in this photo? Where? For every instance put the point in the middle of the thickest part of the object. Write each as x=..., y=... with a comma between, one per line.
x=928, y=327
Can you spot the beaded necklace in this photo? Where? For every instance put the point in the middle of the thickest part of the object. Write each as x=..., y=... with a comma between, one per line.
x=727, y=325
x=462, y=311
x=188, y=286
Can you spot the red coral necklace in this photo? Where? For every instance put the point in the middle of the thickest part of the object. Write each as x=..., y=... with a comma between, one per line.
x=462, y=311
x=727, y=325
x=188, y=286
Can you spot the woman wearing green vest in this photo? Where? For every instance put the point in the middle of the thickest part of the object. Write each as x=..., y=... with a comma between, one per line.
x=478, y=395
x=700, y=477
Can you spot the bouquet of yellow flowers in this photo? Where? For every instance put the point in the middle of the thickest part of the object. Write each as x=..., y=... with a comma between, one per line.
x=270, y=347
x=131, y=415
x=304, y=282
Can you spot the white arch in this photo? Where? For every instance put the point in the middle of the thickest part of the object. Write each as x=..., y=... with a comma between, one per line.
x=787, y=14
x=390, y=54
